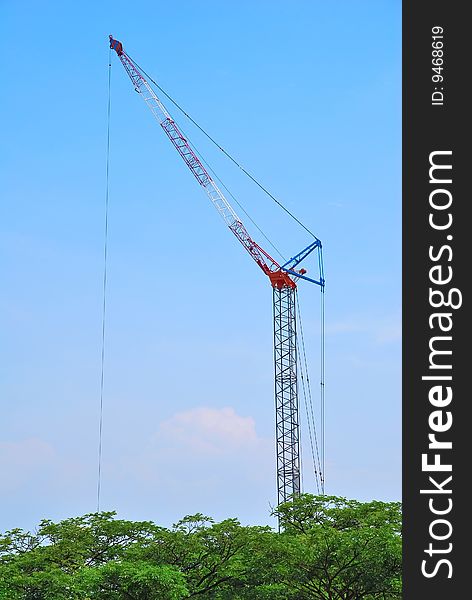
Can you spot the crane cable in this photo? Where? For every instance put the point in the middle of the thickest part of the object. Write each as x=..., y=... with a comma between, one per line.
x=322, y=387
x=104, y=305
x=309, y=418
x=227, y=154
x=316, y=468
x=315, y=450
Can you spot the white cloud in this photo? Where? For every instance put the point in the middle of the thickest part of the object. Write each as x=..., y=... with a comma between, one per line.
x=203, y=453
x=203, y=459
x=209, y=430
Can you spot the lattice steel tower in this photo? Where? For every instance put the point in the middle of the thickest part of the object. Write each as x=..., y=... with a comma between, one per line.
x=286, y=394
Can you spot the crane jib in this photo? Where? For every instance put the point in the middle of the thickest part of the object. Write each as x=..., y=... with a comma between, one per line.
x=185, y=151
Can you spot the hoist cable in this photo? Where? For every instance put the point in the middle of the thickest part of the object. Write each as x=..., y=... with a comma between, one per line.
x=310, y=398
x=316, y=465
x=322, y=385
x=227, y=154
x=310, y=395
x=310, y=421
x=310, y=434
x=104, y=302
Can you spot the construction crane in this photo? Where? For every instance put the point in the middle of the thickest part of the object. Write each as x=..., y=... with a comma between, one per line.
x=283, y=279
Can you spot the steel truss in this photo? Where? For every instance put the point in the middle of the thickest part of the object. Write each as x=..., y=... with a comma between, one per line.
x=286, y=394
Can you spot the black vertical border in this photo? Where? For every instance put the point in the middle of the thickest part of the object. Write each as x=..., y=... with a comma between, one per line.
x=428, y=128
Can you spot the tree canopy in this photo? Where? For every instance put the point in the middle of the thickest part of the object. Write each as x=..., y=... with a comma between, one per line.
x=328, y=548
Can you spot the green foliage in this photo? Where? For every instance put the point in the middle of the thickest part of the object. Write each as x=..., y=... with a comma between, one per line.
x=138, y=580
x=342, y=549
x=329, y=548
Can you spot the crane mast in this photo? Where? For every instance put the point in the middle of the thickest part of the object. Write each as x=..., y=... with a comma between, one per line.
x=283, y=279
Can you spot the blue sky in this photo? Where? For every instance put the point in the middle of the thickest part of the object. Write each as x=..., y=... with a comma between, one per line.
x=307, y=96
